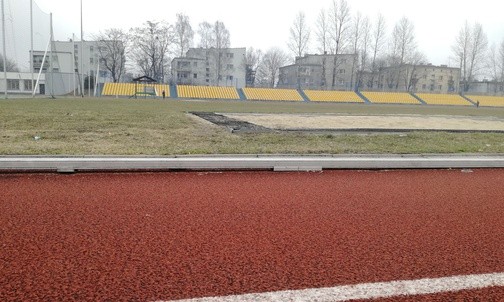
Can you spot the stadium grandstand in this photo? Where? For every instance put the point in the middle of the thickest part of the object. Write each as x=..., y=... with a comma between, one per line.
x=487, y=101
x=207, y=92
x=293, y=95
x=132, y=89
x=271, y=94
x=390, y=98
x=444, y=99
x=333, y=96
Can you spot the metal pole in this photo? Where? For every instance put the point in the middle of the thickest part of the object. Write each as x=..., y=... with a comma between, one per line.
x=82, y=53
x=4, y=48
x=31, y=42
x=73, y=64
x=51, y=57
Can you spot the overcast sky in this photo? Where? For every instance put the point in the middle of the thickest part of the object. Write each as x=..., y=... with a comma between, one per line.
x=265, y=23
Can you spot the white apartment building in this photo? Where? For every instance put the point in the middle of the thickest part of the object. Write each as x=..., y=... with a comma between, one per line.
x=210, y=67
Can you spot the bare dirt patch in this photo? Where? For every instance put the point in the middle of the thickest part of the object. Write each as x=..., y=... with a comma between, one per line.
x=380, y=123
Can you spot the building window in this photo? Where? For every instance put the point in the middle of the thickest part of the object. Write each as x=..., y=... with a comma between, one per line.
x=183, y=64
x=28, y=85
x=230, y=55
x=91, y=48
x=207, y=75
x=230, y=66
x=230, y=78
x=91, y=60
x=440, y=87
x=195, y=76
x=342, y=71
x=441, y=78
x=207, y=80
x=195, y=64
x=12, y=84
x=208, y=70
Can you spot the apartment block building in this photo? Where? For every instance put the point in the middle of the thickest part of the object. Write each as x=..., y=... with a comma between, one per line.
x=425, y=78
x=319, y=72
x=210, y=67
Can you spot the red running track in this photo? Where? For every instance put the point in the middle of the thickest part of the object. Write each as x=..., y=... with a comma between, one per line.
x=162, y=236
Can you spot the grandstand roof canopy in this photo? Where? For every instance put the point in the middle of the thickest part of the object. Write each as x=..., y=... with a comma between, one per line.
x=145, y=79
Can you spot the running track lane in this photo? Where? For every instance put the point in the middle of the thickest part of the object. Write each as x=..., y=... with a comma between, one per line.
x=164, y=236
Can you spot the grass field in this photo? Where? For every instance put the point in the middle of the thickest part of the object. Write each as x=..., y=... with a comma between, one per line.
x=155, y=127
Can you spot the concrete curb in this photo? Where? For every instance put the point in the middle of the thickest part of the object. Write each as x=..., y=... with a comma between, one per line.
x=250, y=162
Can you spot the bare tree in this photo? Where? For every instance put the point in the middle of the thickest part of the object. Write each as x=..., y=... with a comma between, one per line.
x=151, y=46
x=11, y=64
x=339, y=25
x=322, y=34
x=495, y=66
x=222, y=41
x=365, y=43
x=378, y=43
x=267, y=73
x=470, y=48
x=404, y=48
x=205, y=33
x=112, y=45
x=356, y=36
x=298, y=40
x=299, y=35
x=478, y=50
x=252, y=59
x=184, y=34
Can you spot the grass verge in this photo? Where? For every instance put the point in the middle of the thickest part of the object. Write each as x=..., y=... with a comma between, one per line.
x=155, y=127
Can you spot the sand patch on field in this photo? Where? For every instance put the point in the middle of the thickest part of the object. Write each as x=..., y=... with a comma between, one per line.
x=382, y=122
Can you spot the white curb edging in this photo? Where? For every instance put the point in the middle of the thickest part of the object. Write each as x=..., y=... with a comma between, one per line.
x=277, y=163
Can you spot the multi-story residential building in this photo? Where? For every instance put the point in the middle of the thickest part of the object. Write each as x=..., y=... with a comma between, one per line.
x=210, y=67
x=326, y=72
x=425, y=78
x=72, y=62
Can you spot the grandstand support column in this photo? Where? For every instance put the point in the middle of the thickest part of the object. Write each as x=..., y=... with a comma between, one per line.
x=4, y=48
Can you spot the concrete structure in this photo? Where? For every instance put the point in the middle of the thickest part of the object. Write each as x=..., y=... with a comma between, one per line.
x=317, y=71
x=21, y=83
x=201, y=67
x=425, y=78
x=248, y=162
x=486, y=87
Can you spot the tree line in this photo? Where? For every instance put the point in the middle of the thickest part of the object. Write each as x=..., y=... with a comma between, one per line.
x=337, y=30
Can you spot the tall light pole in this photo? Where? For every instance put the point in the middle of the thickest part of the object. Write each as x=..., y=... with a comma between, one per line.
x=31, y=45
x=4, y=48
x=82, y=53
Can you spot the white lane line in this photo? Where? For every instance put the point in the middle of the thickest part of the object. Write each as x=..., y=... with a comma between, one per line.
x=370, y=290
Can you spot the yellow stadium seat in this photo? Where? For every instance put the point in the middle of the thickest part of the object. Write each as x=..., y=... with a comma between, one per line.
x=207, y=92
x=391, y=98
x=443, y=99
x=333, y=96
x=270, y=94
x=487, y=101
